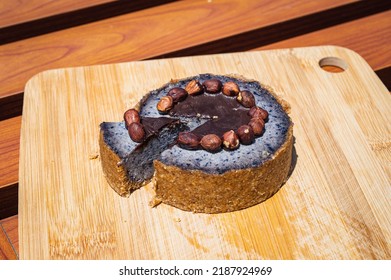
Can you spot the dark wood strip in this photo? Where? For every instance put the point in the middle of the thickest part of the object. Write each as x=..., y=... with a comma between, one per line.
x=8, y=201
x=11, y=106
x=385, y=77
x=284, y=30
x=15, y=12
x=73, y=18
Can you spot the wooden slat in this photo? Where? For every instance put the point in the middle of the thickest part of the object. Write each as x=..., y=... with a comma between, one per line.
x=16, y=12
x=72, y=18
x=10, y=227
x=186, y=24
x=6, y=249
x=369, y=36
x=9, y=147
x=286, y=29
x=9, y=159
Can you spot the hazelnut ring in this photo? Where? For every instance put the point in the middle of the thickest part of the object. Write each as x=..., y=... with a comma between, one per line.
x=245, y=134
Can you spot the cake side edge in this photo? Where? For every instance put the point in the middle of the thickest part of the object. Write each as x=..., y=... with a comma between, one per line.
x=200, y=192
x=114, y=171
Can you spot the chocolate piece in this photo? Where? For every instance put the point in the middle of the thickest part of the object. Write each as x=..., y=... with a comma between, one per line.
x=152, y=126
x=223, y=113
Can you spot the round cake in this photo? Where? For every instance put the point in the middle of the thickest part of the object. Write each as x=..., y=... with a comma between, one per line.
x=211, y=144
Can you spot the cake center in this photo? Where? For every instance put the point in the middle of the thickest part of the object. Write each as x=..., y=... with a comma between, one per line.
x=223, y=113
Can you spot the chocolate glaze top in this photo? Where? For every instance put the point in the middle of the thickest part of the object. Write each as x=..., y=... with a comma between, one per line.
x=223, y=113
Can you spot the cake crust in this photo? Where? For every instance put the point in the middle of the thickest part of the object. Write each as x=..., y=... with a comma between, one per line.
x=200, y=192
x=115, y=172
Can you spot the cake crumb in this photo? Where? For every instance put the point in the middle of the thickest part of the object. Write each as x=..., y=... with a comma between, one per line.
x=93, y=156
x=178, y=220
x=154, y=202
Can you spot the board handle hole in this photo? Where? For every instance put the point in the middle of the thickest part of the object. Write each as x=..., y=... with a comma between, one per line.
x=333, y=64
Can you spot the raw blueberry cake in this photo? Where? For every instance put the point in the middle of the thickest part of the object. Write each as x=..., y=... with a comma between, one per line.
x=212, y=144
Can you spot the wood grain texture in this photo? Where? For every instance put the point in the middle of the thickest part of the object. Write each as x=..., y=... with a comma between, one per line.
x=139, y=35
x=73, y=14
x=334, y=206
x=368, y=36
x=9, y=165
x=7, y=251
x=285, y=29
x=14, y=12
x=10, y=227
x=9, y=147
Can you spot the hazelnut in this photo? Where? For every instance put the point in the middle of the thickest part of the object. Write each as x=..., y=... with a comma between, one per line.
x=230, y=89
x=245, y=134
x=230, y=140
x=212, y=86
x=136, y=132
x=131, y=116
x=257, y=124
x=194, y=87
x=211, y=142
x=165, y=104
x=257, y=112
x=188, y=140
x=246, y=98
x=177, y=94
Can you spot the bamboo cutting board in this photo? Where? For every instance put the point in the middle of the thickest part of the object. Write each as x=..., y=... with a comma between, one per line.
x=335, y=205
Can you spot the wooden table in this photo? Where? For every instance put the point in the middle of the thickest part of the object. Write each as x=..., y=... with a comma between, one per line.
x=39, y=35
